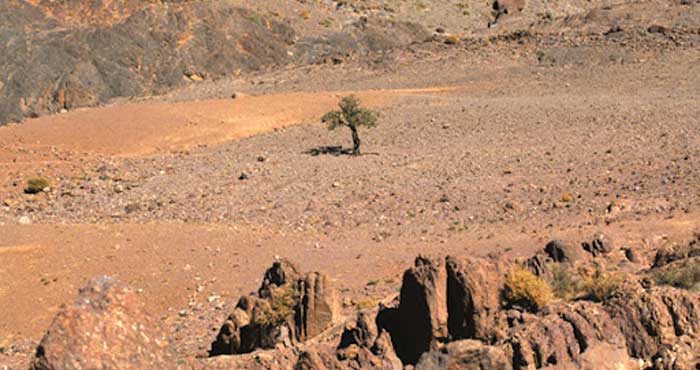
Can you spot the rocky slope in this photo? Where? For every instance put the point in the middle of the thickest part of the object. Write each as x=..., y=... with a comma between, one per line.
x=69, y=54
x=64, y=55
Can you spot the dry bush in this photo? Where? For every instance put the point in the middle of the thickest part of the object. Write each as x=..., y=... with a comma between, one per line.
x=36, y=185
x=523, y=288
x=600, y=284
x=586, y=282
x=281, y=308
x=684, y=274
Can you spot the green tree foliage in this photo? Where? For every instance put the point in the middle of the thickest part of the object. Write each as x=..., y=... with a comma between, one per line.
x=352, y=116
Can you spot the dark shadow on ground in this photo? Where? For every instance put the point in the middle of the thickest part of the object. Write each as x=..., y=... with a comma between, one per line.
x=328, y=150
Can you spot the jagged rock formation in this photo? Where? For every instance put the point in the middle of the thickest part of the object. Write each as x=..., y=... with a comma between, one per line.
x=448, y=315
x=288, y=308
x=421, y=316
x=105, y=328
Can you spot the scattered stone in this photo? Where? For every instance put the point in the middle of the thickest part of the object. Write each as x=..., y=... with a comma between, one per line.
x=25, y=220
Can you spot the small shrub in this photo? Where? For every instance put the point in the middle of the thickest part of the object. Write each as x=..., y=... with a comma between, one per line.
x=36, y=185
x=525, y=289
x=366, y=304
x=566, y=282
x=451, y=40
x=282, y=307
x=684, y=274
x=601, y=284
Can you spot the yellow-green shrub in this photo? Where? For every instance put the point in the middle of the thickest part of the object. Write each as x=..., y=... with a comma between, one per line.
x=525, y=289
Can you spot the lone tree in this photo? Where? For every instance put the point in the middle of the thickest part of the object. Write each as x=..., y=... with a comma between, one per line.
x=352, y=116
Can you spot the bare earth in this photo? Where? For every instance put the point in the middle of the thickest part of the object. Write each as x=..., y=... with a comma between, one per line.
x=475, y=153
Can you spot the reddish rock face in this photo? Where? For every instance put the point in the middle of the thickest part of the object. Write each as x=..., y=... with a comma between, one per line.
x=318, y=306
x=422, y=313
x=105, y=328
x=474, y=289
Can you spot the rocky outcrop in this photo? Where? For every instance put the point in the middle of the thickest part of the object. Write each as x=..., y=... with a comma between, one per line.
x=287, y=309
x=562, y=335
x=448, y=315
x=421, y=316
x=73, y=53
x=653, y=317
x=106, y=327
x=675, y=252
x=560, y=251
x=474, y=288
x=600, y=245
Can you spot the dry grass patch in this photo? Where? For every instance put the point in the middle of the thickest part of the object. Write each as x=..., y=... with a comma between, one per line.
x=523, y=288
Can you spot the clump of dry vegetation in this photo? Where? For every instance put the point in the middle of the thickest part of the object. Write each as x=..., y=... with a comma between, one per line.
x=685, y=274
x=523, y=288
x=36, y=185
x=600, y=284
x=588, y=282
x=281, y=308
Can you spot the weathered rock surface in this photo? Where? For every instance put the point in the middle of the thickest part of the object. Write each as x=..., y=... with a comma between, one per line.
x=318, y=306
x=465, y=354
x=474, y=288
x=421, y=317
x=560, y=251
x=106, y=327
x=68, y=54
x=651, y=318
x=562, y=335
x=677, y=252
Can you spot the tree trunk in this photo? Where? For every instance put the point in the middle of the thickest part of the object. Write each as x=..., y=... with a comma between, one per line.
x=355, y=141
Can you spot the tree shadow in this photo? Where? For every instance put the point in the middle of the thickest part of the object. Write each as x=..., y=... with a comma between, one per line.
x=328, y=150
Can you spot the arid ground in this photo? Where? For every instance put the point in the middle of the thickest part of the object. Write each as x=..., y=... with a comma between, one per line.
x=480, y=149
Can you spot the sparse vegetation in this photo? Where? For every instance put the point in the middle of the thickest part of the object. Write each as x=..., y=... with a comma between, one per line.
x=600, y=284
x=685, y=274
x=282, y=307
x=366, y=304
x=36, y=185
x=596, y=283
x=353, y=116
x=451, y=40
x=523, y=288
